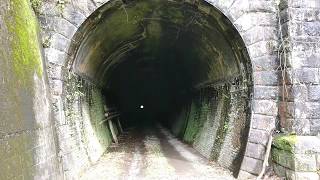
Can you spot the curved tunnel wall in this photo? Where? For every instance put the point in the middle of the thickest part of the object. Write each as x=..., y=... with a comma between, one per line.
x=177, y=59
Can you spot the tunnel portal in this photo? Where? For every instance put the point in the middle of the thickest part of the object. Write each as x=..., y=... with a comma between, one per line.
x=180, y=64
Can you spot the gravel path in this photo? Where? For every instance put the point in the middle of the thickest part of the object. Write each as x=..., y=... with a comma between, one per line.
x=153, y=153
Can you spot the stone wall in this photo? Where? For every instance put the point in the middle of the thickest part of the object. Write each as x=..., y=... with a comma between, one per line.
x=78, y=106
x=216, y=124
x=300, y=58
x=28, y=148
x=83, y=134
x=295, y=153
x=296, y=157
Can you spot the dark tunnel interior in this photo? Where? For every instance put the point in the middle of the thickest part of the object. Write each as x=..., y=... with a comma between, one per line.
x=157, y=59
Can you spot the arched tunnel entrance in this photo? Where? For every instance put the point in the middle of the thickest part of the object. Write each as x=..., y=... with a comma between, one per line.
x=179, y=64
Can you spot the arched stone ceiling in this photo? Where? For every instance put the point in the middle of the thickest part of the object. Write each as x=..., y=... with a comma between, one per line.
x=196, y=36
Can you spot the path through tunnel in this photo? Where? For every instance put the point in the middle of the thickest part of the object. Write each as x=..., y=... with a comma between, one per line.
x=179, y=64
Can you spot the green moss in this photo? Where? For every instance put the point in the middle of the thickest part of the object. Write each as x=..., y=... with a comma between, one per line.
x=97, y=115
x=36, y=4
x=192, y=126
x=197, y=117
x=285, y=142
x=223, y=128
x=26, y=53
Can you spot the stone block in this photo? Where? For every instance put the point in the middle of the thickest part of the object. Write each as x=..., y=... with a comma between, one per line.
x=251, y=165
x=314, y=93
x=301, y=126
x=256, y=151
x=56, y=87
x=311, y=59
x=304, y=75
x=279, y=170
x=313, y=109
x=265, y=63
x=258, y=136
x=244, y=22
x=266, y=92
x=283, y=157
x=57, y=110
x=243, y=175
x=266, y=78
x=238, y=8
x=64, y=27
x=263, y=122
x=305, y=162
x=265, y=107
x=292, y=175
x=60, y=42
x=300, y=109
x=49, y=9
x=303, y=4
x=262, y=48
x=73, y=15
x=262, y=6
x=299, y=92
x=221, y=4
x=311, y=28
x=55, y=56
x=54, y=71
x=307, y=144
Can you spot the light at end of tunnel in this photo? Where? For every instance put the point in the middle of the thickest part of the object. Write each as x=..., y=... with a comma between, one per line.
x=142, y=106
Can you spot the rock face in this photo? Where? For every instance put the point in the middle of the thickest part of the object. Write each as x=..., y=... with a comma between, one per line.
x=55, y=131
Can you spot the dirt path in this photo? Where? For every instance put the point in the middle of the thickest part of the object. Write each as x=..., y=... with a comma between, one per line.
x=153, y=153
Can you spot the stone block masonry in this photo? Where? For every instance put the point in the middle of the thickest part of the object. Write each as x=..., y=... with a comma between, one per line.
x=296, y=157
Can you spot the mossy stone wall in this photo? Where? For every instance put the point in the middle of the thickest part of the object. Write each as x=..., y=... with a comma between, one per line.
x=27, y=135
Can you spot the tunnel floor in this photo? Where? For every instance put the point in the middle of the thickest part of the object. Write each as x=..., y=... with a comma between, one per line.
x=153, y=153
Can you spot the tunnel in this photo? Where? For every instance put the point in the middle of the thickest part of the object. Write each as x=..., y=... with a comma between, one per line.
x=180, y=64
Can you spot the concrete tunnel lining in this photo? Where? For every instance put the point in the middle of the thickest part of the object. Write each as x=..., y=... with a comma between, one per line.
x=194, y=43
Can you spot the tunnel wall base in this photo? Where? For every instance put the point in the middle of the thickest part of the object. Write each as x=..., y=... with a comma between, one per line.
x=216, y=124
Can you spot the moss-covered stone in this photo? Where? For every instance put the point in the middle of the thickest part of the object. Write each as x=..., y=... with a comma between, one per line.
x=285, y=142
x=26, y=52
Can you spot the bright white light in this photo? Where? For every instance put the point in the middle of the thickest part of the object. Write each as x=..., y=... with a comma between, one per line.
x=141, y=107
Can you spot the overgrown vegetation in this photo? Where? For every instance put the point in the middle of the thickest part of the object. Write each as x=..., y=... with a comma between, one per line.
x=36, y=4
x=61, y=5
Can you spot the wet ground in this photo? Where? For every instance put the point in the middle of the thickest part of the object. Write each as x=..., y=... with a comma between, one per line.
x=153, y=153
